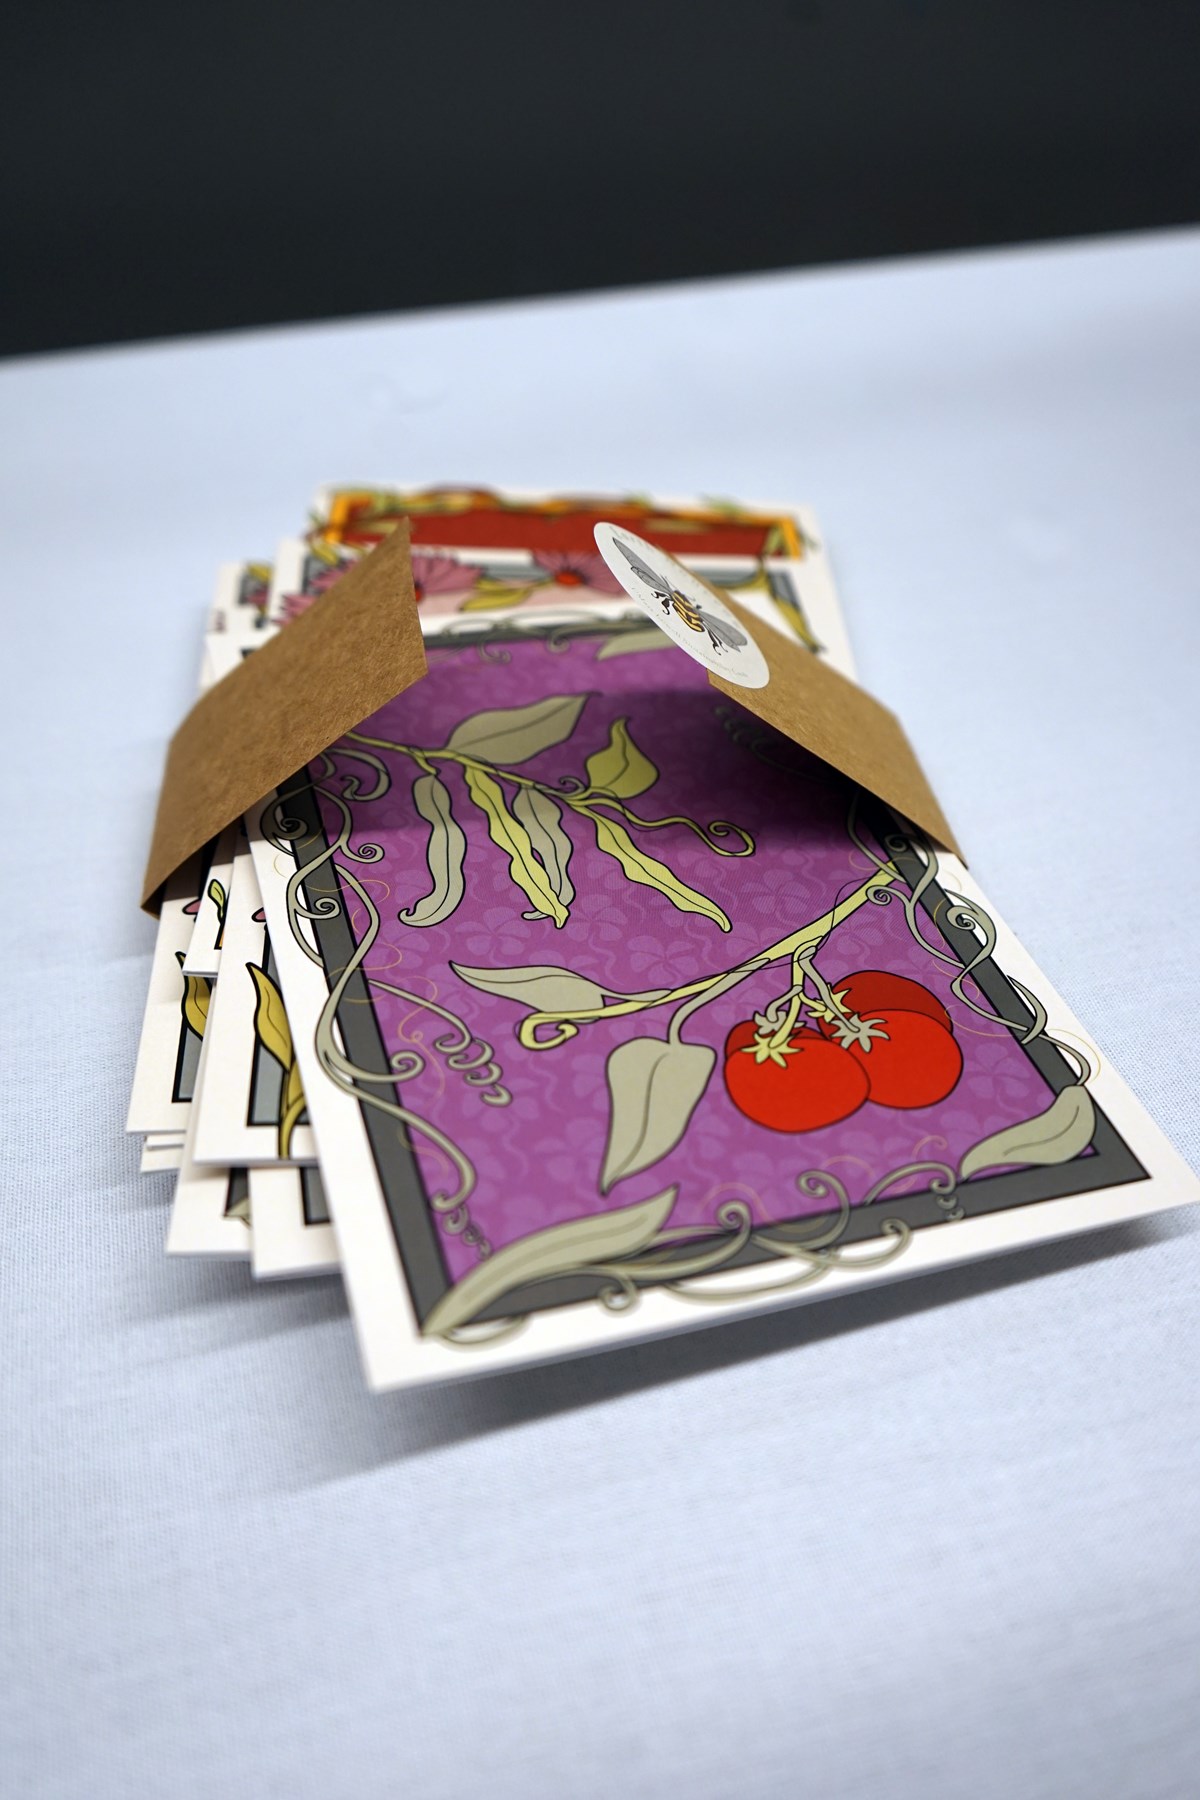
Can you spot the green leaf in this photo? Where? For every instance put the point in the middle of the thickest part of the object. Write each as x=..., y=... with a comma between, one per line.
x=445, y=853
x=1062, y=1132
x=558, y=1250
x=513, y=734
x=646, y=870
x=511, y=837
x=621, y=769
x=540, y=986
x=489, y=595
x=541, y=815
x=220, y=900
x=623, y=643
x=197, y=991
x=654, y=1088
x=270, y=1018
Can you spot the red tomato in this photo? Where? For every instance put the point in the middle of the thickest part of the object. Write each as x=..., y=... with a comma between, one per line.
x=873, y=991
x=910, y=1060
x=801, y=1087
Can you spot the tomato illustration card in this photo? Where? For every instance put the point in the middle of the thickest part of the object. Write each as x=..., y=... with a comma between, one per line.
x=618, y=1013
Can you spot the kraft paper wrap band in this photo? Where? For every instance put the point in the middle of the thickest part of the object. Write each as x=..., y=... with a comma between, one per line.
x=841, y=723
x=360, y=645
x=353, y=650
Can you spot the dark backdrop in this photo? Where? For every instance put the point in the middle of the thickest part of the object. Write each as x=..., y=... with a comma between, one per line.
x=175, y=167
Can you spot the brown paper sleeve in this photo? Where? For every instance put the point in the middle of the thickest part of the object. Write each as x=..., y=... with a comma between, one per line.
x=839, y=722
x=349, y=654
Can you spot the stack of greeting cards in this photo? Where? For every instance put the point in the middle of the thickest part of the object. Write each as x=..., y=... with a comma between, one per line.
x=615, y=973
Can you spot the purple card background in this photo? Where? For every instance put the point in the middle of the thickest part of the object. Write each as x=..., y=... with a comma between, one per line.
x=538, y=1159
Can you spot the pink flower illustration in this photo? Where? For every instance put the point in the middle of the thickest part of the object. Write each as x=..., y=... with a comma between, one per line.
x=431, y=575
x=441, y=575
x=573, y=569
x=294, y=604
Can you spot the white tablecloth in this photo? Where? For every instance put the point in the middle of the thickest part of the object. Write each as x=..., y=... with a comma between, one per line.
x=935, y=1541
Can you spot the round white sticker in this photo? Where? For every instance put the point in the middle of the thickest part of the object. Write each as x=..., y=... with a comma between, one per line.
x=686, y=609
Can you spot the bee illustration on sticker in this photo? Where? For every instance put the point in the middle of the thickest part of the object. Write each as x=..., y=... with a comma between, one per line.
x=721, y=634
